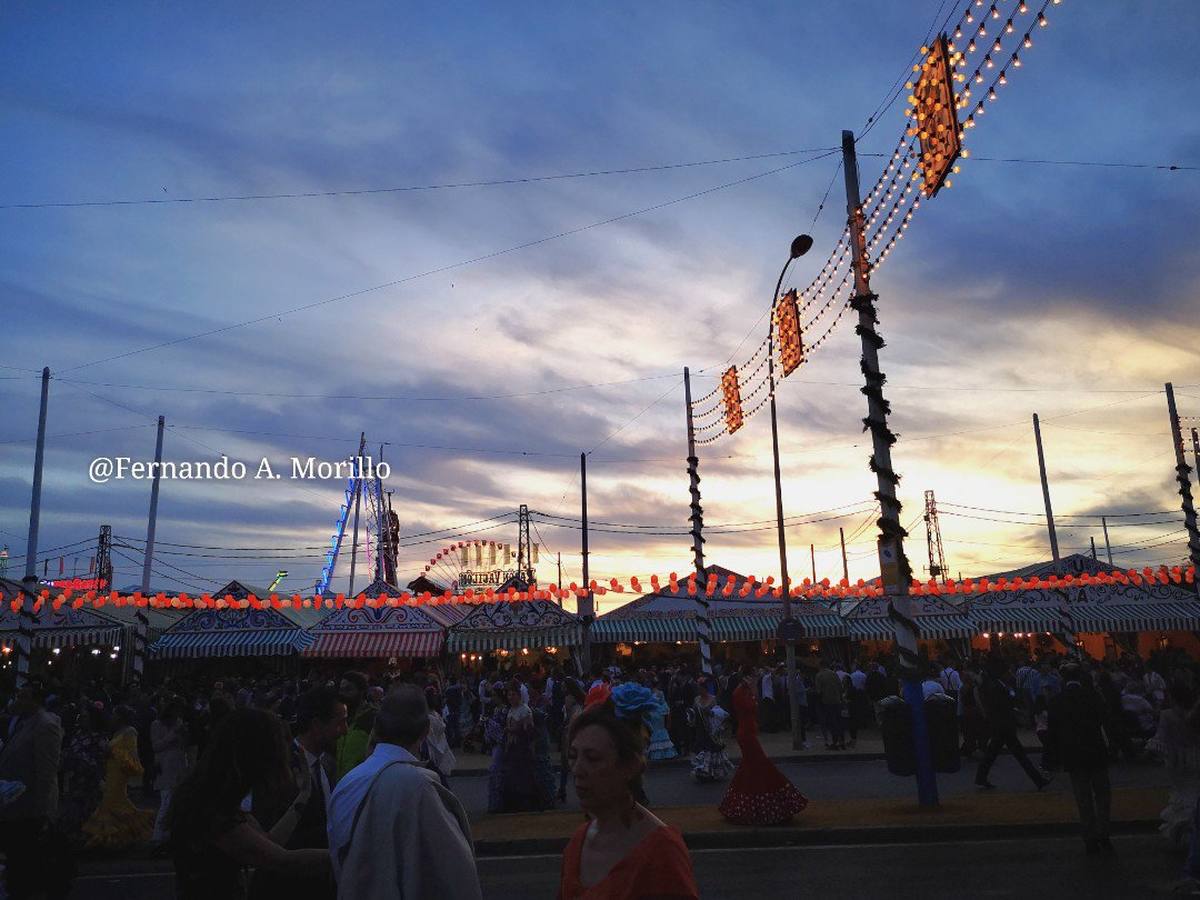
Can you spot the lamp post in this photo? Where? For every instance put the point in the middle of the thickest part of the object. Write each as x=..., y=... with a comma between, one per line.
x=788, y=627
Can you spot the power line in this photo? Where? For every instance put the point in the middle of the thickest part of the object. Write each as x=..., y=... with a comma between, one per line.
x=494, y=182
x=445, y=268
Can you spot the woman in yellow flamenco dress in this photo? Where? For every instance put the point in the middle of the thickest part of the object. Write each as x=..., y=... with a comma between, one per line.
x=117, y=823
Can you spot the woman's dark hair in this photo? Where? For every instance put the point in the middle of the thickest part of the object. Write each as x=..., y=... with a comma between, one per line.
x=247, y=751
x=626, y=736
x=572, y=688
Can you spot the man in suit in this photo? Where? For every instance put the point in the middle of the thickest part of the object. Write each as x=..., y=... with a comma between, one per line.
x=297, y=817
x=998, y=699
x=30, y=755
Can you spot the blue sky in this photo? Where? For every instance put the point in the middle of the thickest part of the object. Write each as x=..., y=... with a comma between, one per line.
x=1023, y=288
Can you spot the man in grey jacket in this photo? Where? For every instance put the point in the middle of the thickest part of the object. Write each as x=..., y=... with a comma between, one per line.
x=394, y=832
x=30, y=755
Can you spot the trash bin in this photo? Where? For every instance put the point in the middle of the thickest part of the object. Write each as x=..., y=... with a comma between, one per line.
x=941, y=718
x=895, y=723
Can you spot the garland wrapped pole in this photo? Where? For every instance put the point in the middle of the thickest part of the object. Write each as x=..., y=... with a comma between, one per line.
x=30, y=582
x=703, y=626
x=1066, y=624
x=1183, y=474
x=894, y=568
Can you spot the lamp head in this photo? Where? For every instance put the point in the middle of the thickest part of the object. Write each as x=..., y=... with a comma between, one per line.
x=801, y=245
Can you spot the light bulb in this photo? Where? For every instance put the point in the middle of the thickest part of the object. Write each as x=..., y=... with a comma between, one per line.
x=971, y=46
x=1008, y=27
x=1023, y=7
x=1042, y=21
x=1016, y=61
x=995, y=12
x=992, y=94
x=987, y=61
x=968, y=18
x=1028, y=42
x=1003, y=79
x=997, y=46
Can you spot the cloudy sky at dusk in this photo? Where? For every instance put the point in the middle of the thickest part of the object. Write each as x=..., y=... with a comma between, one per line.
x=1070, y=291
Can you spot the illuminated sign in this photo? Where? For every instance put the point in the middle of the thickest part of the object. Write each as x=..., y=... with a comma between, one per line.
x=935, y=111
x=787, y=322
x=731, y=395
x=78, y=584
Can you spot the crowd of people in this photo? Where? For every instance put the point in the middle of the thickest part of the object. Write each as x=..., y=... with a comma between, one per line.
x=296, y=779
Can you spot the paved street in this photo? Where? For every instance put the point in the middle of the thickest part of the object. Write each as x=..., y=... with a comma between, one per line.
x=672, y=785
x=1008, y=868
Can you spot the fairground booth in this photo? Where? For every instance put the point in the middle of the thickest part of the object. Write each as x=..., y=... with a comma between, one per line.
x=378, y=638
x=67, y=643
x=1110, y=619
x=235, y=641
x=660, y=627
x=507, y=634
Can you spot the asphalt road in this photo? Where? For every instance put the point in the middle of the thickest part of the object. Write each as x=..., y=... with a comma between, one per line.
x=1026, y=869
x=829, y=780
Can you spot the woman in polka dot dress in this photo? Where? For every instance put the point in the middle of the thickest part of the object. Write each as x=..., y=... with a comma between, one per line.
x=759, y=794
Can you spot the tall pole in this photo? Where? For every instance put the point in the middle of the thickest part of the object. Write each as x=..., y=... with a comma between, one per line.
x=1183, y=475
x=141, y=626
x=812, y=552
x=785, y=583
x=1037, y=435
x=1065, y=621
x=362, y=443
x=703, y=626
x=559, y=582
x=1107, y=545
x=152, y=521
x=586, y=604
x=1092, y=538
x=894, y=568
x=30, y=583
x=845, y=563
x=1196, y=447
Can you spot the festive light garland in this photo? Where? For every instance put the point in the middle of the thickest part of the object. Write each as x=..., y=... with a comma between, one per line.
x=712, y=588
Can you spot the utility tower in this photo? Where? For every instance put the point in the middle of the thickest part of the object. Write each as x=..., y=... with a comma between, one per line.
x=104, y=559
x=525, y=549
x=933, y=538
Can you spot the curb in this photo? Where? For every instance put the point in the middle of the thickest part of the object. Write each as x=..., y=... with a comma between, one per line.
x=801, y=837
x=847, y=756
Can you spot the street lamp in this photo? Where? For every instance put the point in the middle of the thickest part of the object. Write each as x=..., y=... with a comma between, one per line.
x=800, y=246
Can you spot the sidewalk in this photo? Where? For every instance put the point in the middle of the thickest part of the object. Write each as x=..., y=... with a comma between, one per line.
x=865, y=821
x=778, y=746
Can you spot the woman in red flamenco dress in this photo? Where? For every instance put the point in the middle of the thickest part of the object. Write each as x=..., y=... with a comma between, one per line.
x=759, y=794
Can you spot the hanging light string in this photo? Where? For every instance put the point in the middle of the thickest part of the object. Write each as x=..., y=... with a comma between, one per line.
x=888, y=198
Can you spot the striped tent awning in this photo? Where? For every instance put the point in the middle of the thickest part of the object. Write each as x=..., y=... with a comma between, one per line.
x=1014, y=617
x=1096, y=617
x=481, y=641
x=647, y=629
x=931, y=627
x=229, y=642
x=376, y=644
x=48, y=638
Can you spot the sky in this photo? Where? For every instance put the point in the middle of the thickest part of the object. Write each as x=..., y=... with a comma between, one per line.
x=510, y=327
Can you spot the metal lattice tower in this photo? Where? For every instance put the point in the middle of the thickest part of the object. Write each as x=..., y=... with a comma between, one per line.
x=524, y=546
x=933, y=538
x=104, y=559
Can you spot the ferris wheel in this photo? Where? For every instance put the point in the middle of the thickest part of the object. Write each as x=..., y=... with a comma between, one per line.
x=478, y=563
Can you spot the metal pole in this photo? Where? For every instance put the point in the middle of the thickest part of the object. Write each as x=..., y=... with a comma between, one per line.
x=141, y=626
x=586, y=604
x=845, y=564
x=1037, y=435
x=1065, y=620
x=703, y=626
x=1092, y=538
x=30, y=583
x=1196, y=447
x=1107, y=545
x=560, y=579
x=362, y=443
x=1183, y=475
x=894, y=567
x=152, y=521
x=789, y=645
x=812, y=552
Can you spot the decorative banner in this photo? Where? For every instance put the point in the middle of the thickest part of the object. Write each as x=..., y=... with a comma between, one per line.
x=788, y=334
x=935, y=109
x=731, y=396
x=713, y=587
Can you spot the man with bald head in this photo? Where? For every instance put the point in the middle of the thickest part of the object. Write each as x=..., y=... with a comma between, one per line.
x=394, y=831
